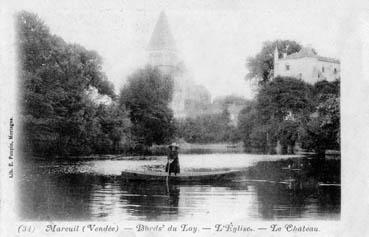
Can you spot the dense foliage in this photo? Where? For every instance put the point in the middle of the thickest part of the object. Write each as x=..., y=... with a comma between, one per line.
x=288, y=110
x=58, y=116
x=147, y=95
x=322, y=131
x=210, y=128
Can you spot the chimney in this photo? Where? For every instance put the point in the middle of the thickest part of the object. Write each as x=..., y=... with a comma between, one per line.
x=276, y=56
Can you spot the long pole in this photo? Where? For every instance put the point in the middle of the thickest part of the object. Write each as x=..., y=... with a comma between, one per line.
x=168, y=173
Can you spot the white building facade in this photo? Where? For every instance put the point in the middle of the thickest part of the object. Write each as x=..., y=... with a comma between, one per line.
x=306, y=65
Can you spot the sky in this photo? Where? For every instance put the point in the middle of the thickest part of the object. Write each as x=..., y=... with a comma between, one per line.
x=214, y=38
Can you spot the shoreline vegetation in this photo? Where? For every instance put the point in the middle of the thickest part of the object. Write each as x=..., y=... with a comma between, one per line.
x=294, y=171
x=70, y=108
x=189, y=149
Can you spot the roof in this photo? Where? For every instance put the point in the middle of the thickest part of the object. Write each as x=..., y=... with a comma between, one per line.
x=310, y=53
x=326, y=59
x=161, y=37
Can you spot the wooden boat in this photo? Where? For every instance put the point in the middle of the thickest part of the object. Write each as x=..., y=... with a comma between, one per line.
x=212, y=176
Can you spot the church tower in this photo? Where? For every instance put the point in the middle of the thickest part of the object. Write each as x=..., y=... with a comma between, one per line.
x=162, y=52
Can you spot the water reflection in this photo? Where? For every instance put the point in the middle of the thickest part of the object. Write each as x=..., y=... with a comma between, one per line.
x=48, y=195
x=280, y=202
x=55, y=197
x=151, y=202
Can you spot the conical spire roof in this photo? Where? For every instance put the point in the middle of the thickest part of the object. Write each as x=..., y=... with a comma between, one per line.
x=161, y=37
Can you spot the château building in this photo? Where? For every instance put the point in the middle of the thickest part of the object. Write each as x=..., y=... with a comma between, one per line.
x=306, y=65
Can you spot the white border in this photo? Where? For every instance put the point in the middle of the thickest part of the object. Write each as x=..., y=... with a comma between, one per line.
x=355, y=134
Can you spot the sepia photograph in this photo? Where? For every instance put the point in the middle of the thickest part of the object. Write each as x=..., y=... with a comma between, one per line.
x=217, y=112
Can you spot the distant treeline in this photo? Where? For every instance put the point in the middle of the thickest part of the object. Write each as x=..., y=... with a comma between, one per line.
x=209, y=128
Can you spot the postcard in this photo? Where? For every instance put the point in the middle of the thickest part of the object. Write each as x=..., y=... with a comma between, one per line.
x=188, y=118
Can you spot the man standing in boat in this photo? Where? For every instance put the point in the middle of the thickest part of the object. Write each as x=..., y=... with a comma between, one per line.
x=173, y=161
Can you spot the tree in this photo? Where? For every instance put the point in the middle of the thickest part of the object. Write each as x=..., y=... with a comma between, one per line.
x=288, y=134
x=58, y=117
x=248, y=121
x=322, y=90
x=289, y=110
x=208, y=128
x=147, y=96
x=115, y=126
x=265, y=122
x=261, y=65
x=281, y=96
x=323, y=130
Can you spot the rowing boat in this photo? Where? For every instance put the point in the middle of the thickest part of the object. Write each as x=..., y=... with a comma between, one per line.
x=182, y=177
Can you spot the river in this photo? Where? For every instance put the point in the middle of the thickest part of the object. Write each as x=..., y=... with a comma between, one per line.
x=90, y=189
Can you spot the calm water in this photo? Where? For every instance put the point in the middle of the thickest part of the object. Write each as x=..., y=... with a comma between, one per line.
x=92, y=190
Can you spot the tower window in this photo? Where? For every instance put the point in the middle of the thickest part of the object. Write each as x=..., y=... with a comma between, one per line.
x=287, y=67
x=335, y=70
x=322, y=69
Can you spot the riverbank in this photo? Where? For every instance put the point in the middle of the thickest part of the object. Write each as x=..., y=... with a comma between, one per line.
x=198, y=148
x=125, y=157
